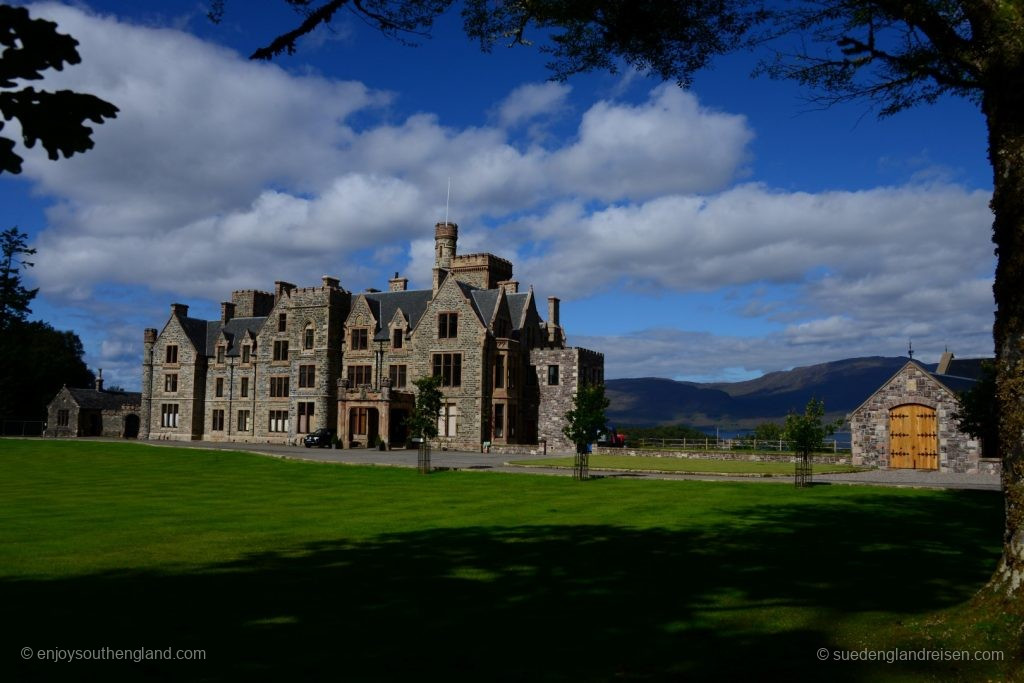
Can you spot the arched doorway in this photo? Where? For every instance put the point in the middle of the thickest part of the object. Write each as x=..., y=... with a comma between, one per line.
x=913, y=437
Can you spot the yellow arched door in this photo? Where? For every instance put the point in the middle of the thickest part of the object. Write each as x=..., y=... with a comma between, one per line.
x=913, y=437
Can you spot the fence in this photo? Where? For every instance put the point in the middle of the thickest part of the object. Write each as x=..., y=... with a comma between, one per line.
x=714, y=444
x=22, y=427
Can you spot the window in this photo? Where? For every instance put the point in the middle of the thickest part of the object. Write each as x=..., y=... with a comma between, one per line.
x=448, y=366
x=447, y=325
x=220, y=355
x=281, y=350
x=358, y=374
x=217, y=421
x=172, y=353
x=278, y=387
x=171, y=382
x=278, y=421
x=305, y=418
x=243, y=421
x=397, y=375
x=308, y=337
x=282, y=322
x=359, y=420
x=448, y=420
x=513, y=369
x=63, y=418
x=511, y=422
x=499, y=421
x=219, y=390
x=169, y=415
x=397, y=337
x=499, y=372
x=552, y=375
x=245, y=353
x=360, y=340
x=307, y=376
x=243, y=389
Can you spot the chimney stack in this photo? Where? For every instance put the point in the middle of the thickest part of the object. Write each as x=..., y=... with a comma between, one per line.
x=227, y=312
x=331, y=282
x=99, y=380
x=510, y=286
x=398, y=284
x=281, y=288
x=553, y=311
x=179, y=310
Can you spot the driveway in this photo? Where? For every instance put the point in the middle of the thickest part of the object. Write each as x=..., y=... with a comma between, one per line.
x=483, y=462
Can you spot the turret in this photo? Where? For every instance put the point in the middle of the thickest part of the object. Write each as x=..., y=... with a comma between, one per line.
x=445, y=237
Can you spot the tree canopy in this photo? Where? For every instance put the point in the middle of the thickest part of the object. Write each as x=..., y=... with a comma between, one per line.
x=422, y=422
x=14, y=297
x=807, y=432
x=586, y=420
x=55, y=119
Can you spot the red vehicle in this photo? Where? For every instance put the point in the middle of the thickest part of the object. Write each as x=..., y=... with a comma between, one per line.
x=611, y=439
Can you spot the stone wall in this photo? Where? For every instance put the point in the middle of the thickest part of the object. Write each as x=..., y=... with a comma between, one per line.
x=869, y=424
x=190, y=370
x=818, y=458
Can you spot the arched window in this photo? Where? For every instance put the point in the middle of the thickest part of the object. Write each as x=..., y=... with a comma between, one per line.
x=308, y=336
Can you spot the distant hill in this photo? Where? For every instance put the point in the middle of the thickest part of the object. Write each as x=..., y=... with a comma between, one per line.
x=843, y=385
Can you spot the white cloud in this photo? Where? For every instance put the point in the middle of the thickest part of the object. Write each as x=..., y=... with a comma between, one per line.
x=221, y=173
x=531, y=100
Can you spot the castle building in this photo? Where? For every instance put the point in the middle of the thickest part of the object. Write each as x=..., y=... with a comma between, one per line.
x=276, y=366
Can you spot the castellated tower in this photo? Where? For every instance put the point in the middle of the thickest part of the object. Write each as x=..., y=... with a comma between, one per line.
x=445, y=236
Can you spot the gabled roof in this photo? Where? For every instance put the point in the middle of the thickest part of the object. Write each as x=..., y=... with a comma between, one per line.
x=90, y=399
x=484, y=301
x=517, y=307
x=195, y=330
x=234, y=332
x=383, y=305
x=956, y=385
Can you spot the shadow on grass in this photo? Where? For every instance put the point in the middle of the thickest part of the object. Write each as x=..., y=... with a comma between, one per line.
x=754, y=598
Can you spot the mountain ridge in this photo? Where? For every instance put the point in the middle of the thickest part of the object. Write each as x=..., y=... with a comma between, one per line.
x=842, y=385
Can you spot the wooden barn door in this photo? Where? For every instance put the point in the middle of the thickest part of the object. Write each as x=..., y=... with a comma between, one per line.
x=913, y=438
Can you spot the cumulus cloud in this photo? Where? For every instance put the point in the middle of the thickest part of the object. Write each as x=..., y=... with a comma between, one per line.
x=220, y=173
x=531, y=100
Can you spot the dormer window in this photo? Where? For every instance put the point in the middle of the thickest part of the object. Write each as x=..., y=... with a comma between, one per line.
x=397, y=337
x=220, y=354
x=246, y=350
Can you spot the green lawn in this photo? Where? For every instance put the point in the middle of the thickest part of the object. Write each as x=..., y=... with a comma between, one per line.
x=292, y=571
x=600, y=461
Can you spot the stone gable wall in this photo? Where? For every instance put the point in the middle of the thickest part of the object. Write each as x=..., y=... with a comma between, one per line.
x=869, y=424
x=191, y=371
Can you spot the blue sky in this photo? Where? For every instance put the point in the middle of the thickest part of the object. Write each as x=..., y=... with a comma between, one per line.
x=710, y=234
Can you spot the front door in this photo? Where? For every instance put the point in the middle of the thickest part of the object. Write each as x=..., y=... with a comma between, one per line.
x=913, y=438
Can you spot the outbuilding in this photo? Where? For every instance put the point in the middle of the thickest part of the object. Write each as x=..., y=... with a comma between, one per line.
x=908, y=423
x=94, y=412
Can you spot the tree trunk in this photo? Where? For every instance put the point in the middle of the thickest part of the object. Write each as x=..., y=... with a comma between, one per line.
x=1003, y=105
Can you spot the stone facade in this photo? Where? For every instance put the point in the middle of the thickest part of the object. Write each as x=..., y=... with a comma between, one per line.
x=93, y=412
x=278, y=365
x=915, y=385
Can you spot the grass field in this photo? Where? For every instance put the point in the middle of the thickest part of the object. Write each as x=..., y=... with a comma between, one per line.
x=296, y=571
x=600, y=461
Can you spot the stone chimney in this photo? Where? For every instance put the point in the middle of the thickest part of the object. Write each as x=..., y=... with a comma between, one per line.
x=149, y=335
x=180, y=310
x=99, y=380
x=510, y=286
x=398, y=284
x=331, y=282
x=553, y=302
x=227, y=312
x=281, y=288
x=944, y=361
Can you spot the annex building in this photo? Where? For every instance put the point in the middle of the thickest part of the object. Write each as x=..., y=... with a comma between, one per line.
x=280, y=364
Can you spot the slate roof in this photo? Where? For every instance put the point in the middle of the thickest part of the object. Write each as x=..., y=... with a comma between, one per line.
x=484, y=300
x=968, y=368
x=90, y=399
x=955, y=384
x=413, y=303
x=234, y=330
x=516, y=307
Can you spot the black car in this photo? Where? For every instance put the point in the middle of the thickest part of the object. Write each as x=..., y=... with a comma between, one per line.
x=321, y=438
